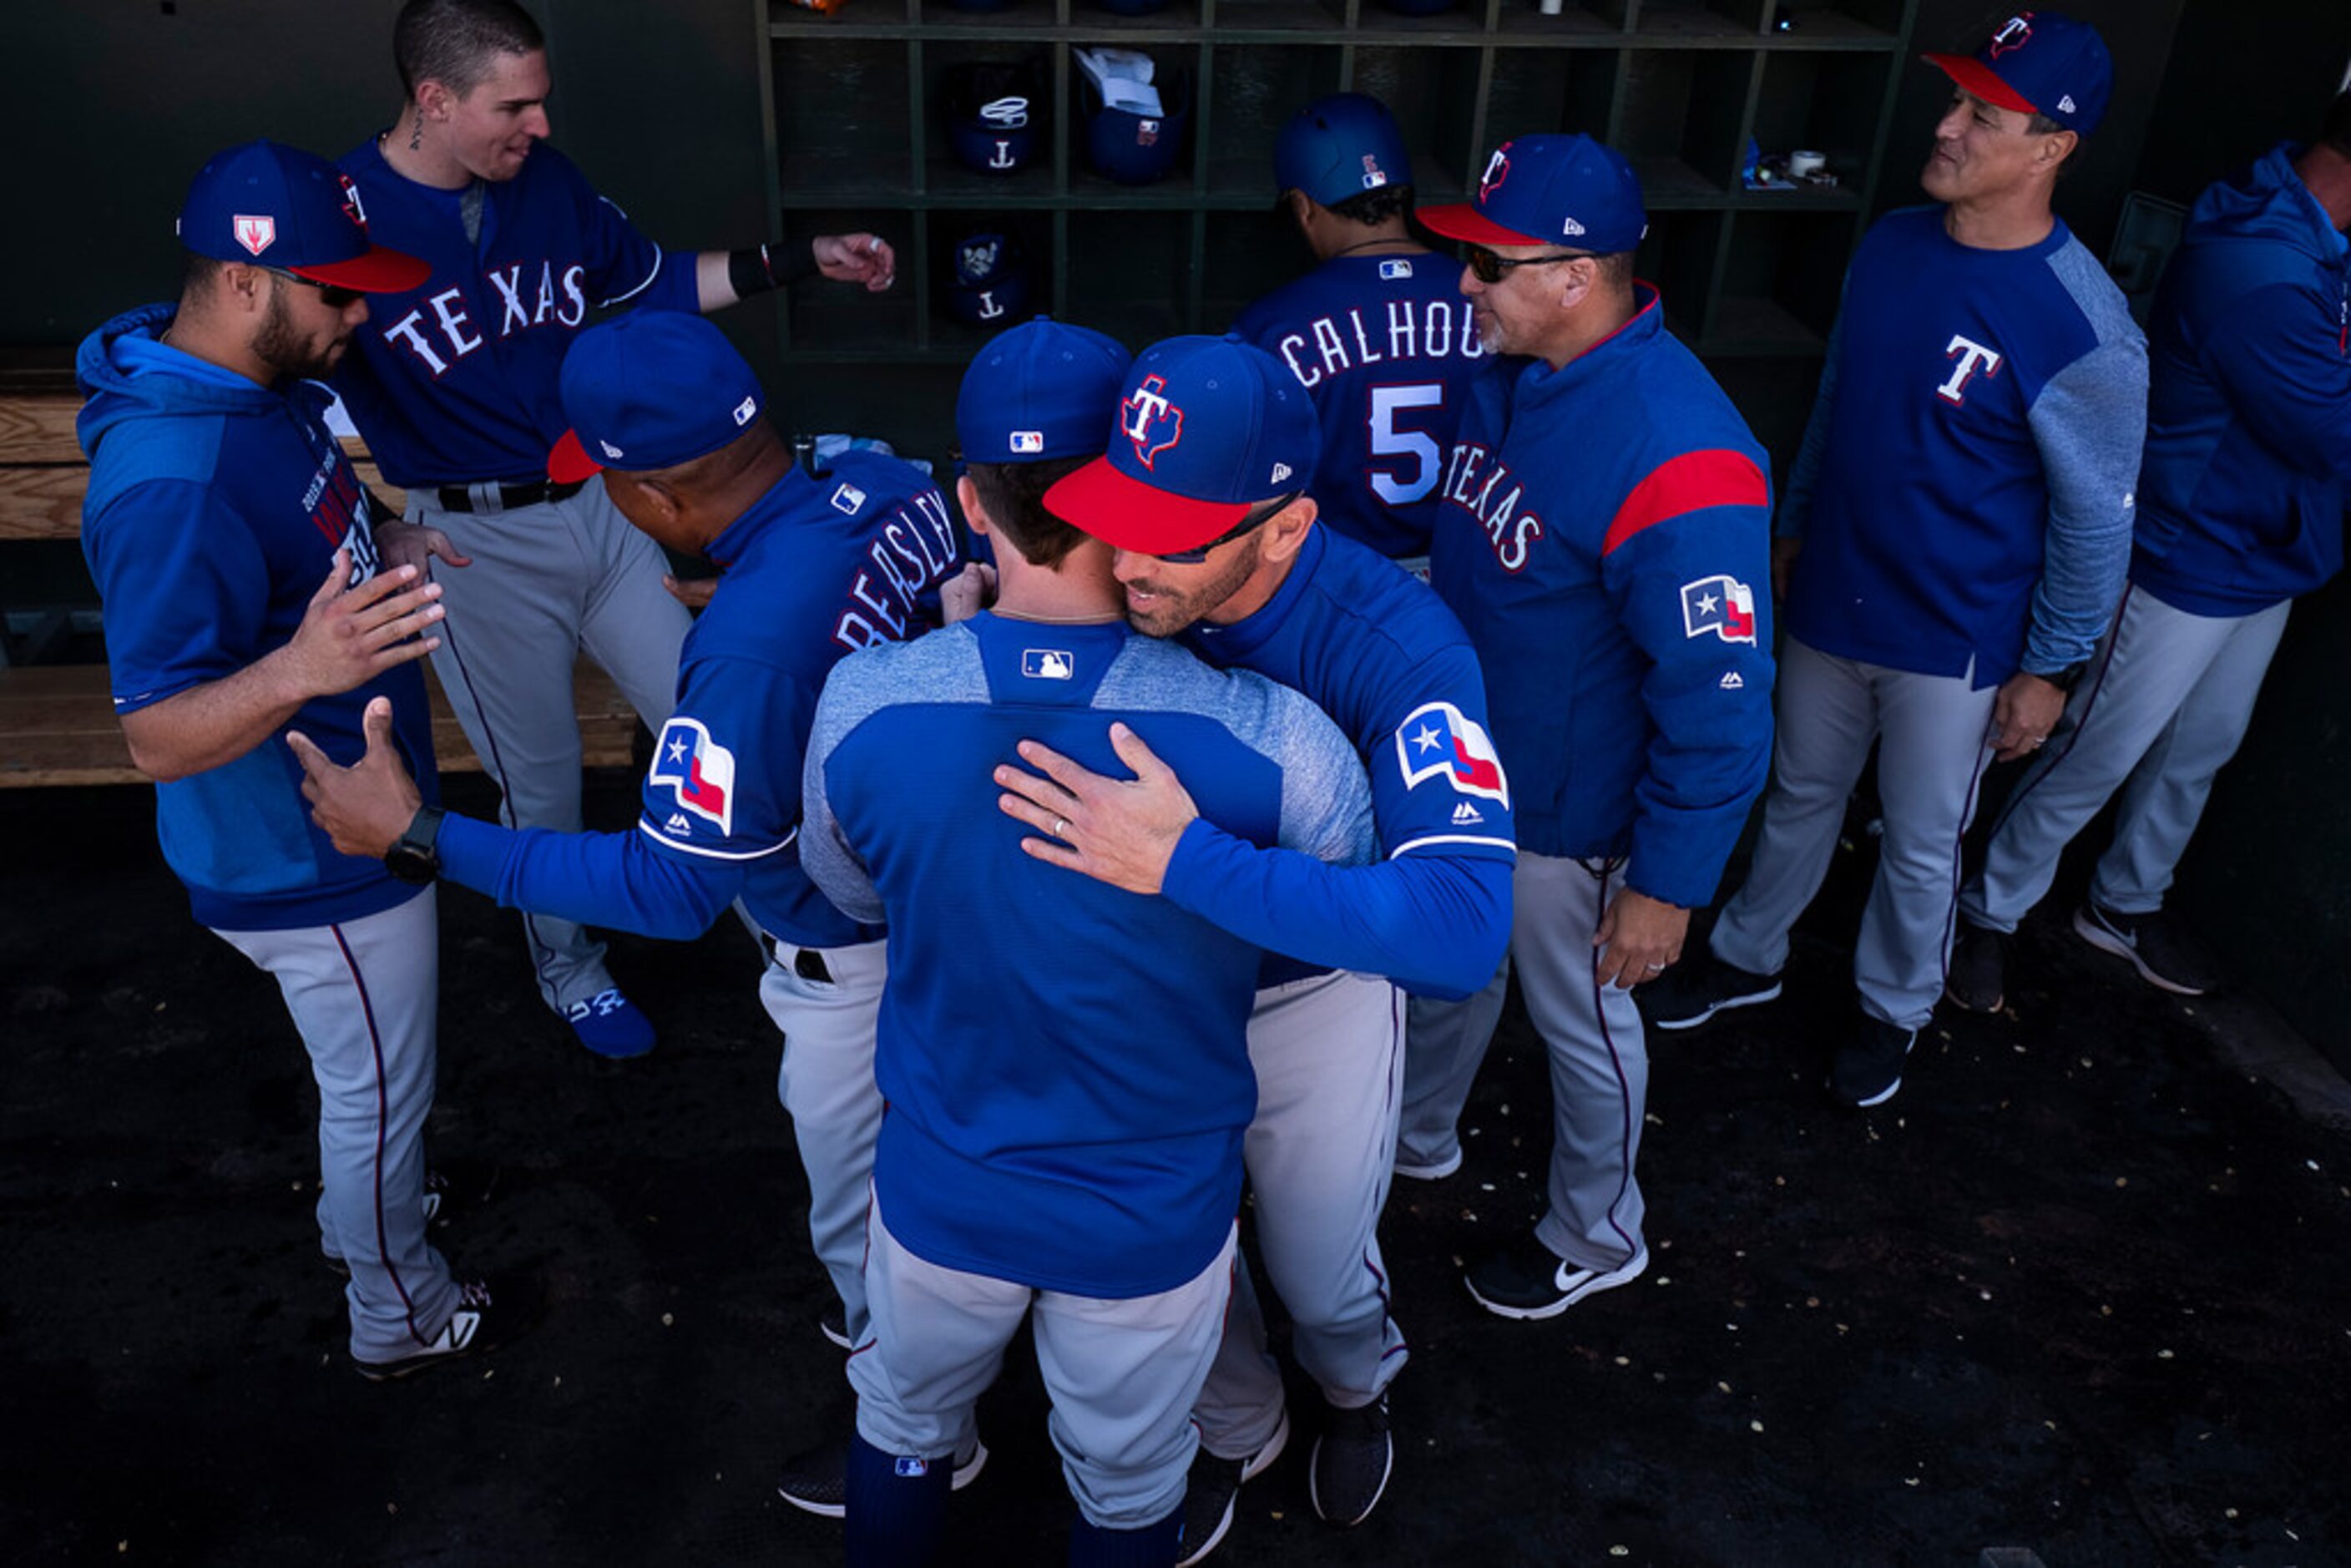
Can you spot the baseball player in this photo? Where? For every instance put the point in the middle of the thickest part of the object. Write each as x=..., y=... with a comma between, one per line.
x=453, y=383
x=813, y=569
x=1039, y=1155
x=1962, y=503
x=1603, y=539
x=1268, y=590
x=1377, y=334
x=2240, y=497
x=230, y=543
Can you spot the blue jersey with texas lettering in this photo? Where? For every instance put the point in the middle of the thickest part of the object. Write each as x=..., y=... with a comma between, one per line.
x=1064, y=1061
x=454, y=380
x=1605, y=543
x=815, y=570
x=213, y=516
x=1374, y=649
x=1385, y=345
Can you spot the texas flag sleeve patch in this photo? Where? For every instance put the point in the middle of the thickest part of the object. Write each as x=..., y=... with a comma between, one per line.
x=1440, y=739
x=698, y=770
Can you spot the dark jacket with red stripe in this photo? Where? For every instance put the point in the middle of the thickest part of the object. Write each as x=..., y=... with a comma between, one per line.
x=1605, y=536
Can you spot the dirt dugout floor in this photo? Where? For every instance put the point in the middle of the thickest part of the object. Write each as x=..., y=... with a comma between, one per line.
x=2083, y=1290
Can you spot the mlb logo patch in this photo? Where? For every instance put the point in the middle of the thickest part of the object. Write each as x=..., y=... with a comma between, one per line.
x=911, y=1469
x=1394, y=271
x=1438, y=738
x=1723, y=605
x=1374, y=176
x=746, y=411
x=256, y=234
x=848, y=498
x=1048, y=664
x=698, y=770
x=1028, y=442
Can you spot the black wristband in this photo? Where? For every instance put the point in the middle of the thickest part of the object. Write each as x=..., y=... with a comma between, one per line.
x=764, y=267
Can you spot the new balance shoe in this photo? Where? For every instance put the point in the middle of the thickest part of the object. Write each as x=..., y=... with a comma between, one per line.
x=487, y=1315
x=1978, y=980
x=1213, y=1490
x=816, y=1480
x=1349, y=1468
x=1867, y=1069
x=1527, y=1280
x=608, y=1024
x=1699, y=987
x=2166, y=954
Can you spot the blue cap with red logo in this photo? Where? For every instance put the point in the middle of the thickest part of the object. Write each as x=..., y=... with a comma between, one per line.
x=648, y=391
x=1208, y=429
x=1339, y=147
x=268, y=204
x=1550, y=190
x=1040, y=392
x=2039, y=62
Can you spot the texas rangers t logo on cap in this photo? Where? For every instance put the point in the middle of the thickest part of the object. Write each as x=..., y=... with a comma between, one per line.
x=1148, y=415
x=2014, y=34
x=699, y=770
x=353, y=208
x=256, y=234
x=1498, y=169
x=1438, y=738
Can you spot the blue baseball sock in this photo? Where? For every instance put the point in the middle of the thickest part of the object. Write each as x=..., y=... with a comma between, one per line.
x=897, y=1508
x=1153, y=1546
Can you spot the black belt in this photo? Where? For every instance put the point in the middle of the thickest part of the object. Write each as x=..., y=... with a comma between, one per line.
x=460, y=497
x=807, y=962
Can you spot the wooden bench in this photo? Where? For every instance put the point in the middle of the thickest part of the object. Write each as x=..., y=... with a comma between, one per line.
x=56, y=722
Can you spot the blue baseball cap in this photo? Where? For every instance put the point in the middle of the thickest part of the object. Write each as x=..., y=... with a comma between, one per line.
x=1208, y=429
x=1550, y=190
x=2039, y=62
x=1040, y=390
x=651, y=390
x=987, y=285
x=1339, y=147
x=268, y=204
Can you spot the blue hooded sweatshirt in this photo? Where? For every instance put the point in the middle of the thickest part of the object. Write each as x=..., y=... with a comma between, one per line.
x=214, y=509
x=2249, y=410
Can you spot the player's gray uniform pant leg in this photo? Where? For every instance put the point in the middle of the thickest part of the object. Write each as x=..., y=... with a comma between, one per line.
x=1444, y=1044
x=1599, y=1059
x=2164, y=707
x=1123, y=1375
x=826, y=1083
x=1329, y=1057
x=546, y=581
x=1932, y=752
x=364, y=995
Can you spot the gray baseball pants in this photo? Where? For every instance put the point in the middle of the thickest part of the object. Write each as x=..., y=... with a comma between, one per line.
x=546, y=581
x=1328, y=1051
x=1932, y=731
x=364, y=994
x=1123, y=1375
x=826, y=1083
x=2163, y=709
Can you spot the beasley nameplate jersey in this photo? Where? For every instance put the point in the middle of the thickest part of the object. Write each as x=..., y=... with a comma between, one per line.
x=1384, y=345
x=1063, y=1061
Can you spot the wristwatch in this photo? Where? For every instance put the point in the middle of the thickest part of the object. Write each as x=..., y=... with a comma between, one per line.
x=2066, y=679
x=412, y=857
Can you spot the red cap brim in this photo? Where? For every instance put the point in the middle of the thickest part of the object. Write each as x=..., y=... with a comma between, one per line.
x=1461, y=221
x=1975, y=76
x=567, y=462
x=378, y=271
x=1127, y=514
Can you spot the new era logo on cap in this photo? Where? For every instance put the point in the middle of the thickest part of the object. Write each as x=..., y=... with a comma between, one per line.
x=1281, y=472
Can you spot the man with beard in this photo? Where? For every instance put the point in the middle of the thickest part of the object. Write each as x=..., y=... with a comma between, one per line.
x=230, y=543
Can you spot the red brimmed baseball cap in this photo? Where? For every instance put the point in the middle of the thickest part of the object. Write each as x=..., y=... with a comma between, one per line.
x=2039, y=62
x=1550, y=190
x=1208, y=428
x=649, y=390
x=268, y=204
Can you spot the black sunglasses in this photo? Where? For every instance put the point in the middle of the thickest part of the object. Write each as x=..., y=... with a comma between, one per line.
x=333, y=296
x=1255, y=520
x=1488, y=267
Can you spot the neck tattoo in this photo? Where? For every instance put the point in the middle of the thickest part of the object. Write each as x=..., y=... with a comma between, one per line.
x=416, y=132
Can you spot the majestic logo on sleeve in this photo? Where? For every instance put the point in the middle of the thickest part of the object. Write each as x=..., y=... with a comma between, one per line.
x=256, y=234
x=1438, y=738
x=1972, y=357
x=1150, y=421
x=1723, y=605
x=699, y=770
